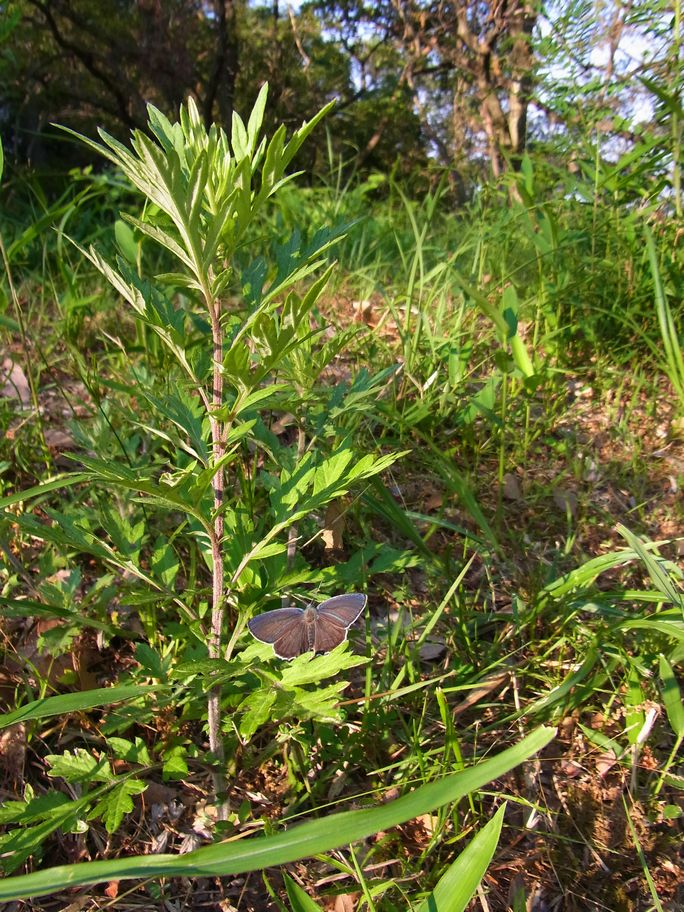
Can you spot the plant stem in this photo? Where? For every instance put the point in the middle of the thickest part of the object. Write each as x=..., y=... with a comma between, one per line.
x=292, y=534
x=217, y=606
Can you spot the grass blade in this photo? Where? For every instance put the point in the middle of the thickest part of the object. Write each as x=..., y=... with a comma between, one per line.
x=661, y=579
x=63, y=481
x=73, y=702
x=300, y=901
x=672, y=697
x=674, y=366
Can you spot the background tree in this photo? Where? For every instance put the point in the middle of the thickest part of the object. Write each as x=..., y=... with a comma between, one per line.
x=82, y=62
x=419, y=83
x=469, y=67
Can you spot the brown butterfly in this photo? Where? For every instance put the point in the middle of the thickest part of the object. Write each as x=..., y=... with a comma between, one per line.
x=293, y=631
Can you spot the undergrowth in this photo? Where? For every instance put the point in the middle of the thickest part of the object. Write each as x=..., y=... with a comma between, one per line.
x=473, y=415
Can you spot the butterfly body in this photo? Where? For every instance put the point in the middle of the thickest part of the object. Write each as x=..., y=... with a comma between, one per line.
x=294, y=631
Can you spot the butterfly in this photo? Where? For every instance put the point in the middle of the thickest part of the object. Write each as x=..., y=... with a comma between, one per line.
x=293, y=631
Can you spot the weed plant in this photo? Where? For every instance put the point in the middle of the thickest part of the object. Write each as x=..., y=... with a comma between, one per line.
x=230, y=450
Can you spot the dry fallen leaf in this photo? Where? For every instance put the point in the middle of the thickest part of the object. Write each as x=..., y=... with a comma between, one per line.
x=511, y=487
x=58, y=440
x=333, y=525
x=79, y=904
x=15, y=385
x=605, y=762
x=570, y=769
x=363, y=311
x=486, y=686
x=429, y=822
x=283, y=423
x=13, y=756
x=434, y=501
x=112, y=889
x=345, y=902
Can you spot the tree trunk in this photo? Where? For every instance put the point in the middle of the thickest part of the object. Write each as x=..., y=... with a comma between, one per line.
x=221, y=86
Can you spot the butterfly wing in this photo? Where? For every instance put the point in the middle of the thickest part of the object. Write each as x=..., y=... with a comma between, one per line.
x=342, y=610
x=271, y=625
x=293, y=641
x=334, y=618
x=328, y=634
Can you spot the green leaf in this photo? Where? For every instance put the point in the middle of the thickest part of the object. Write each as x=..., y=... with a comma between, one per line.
x=161, y=494
x=257, y=708
x=132, y=752
x=672, y=697
x=663, y=622
x=258, y=397
x=563, y=690
x=457, y=886
x=150, y=660
x=264, y=550
x=39, y=808
x=256, y=118
x=117, y=803
x=602, y=741
x=164, y=562
x=319, y=703
x=80, y=766
x=126, y=242
x=20, y=842
x=299, y=900
x=75, y=702
x=62, y=481
x=29, y=608
x=585, y=574
x=175, y=764
x=654, y=565
x=311, y=669
x=311, y=838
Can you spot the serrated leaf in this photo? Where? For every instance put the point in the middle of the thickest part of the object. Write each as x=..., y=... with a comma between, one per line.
x=40, y=808
x=256, y=707
x=150, y=660
x=310, y=669
x=117, y=803
x=321, y=702
x=79, y=766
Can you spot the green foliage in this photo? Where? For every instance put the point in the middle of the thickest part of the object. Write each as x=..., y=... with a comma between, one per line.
x=315, y=836
x=491, y=550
